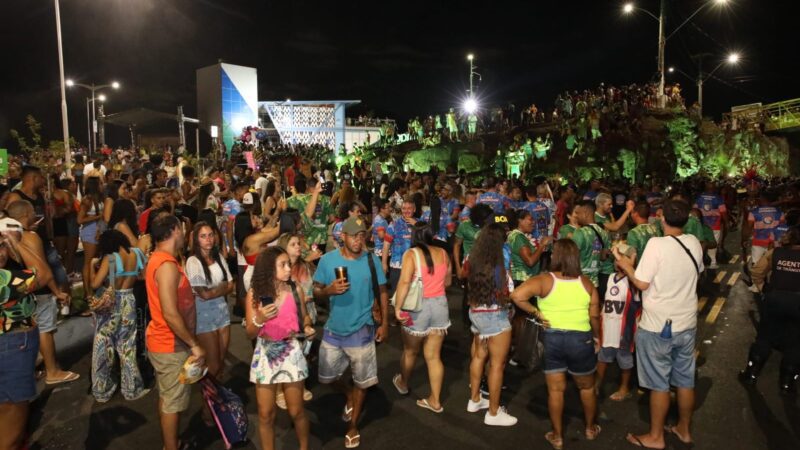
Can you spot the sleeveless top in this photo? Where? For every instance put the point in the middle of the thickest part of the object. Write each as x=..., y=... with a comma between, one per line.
x=785, y=270
x=284, y=324
x=566, y=307
x=432, y=283
x=159, y=336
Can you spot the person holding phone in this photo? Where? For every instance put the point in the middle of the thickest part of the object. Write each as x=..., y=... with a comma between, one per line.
x=272, y=312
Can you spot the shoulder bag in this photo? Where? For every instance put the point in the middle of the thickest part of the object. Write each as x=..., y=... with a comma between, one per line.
x=377, y=317
x=413, y=300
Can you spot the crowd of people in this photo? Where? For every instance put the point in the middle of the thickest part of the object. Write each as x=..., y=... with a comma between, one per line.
x=608, y=273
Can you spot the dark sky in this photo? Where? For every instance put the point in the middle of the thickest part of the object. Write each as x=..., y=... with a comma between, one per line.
x=400, y=58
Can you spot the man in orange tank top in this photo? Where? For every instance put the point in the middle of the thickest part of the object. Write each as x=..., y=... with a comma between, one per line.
x=171, y=332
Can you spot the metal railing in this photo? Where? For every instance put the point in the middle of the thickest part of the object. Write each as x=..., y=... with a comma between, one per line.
x=781, y=115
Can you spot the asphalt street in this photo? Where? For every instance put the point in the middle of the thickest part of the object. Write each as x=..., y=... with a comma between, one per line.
x=728, y=415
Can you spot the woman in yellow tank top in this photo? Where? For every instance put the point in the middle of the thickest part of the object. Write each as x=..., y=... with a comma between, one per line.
x=569, y=308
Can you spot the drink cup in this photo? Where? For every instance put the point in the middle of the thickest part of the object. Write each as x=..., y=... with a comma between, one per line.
x=341, y=273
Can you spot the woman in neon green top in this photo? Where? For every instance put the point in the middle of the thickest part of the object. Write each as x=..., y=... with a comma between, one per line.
x=569, y=308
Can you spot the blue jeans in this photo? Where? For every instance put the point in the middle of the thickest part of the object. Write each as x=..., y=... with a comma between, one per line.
x=664, y=362
x=569, y=351
x=18, y=350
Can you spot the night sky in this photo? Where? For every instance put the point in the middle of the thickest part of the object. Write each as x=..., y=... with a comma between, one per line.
x=400, y=58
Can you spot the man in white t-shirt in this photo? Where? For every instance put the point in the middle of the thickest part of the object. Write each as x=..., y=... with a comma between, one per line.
x=96, y=164
x=665, y=341
x=261, y=184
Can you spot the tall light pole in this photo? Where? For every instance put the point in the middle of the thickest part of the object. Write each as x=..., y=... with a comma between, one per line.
x=731, y=59
x=93, y=88
x=470, y=58
x=629, y=8
x=64, y=119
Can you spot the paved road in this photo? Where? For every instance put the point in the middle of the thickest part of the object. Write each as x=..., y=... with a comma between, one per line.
x=728, y=416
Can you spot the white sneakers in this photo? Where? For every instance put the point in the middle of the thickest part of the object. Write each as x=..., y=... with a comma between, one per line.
x=477, y=406
x=501, y=419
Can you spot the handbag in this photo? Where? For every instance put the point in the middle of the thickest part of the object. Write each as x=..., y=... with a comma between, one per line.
x=106, y=299
x=529, y=349
x=413, y=300
x=227, y=410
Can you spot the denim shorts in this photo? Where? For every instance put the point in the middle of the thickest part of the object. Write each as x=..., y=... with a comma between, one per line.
x=54, y=261
x=18, y=352
x=46, y=313
x=433, y=317
x=569, y=351
x=212, y=314
x=489, y=322
x=362, y=360
x=664, y=362
x=622, y=356
x=89, y=231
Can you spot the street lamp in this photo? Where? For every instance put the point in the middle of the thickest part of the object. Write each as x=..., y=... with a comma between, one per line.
x=731, y=59
x=470, y=58
x=93, y=88
x=630, y=7
x=470, y=105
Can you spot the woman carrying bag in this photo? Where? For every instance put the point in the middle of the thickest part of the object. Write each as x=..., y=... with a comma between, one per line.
x=425, y=326
x=115, y=317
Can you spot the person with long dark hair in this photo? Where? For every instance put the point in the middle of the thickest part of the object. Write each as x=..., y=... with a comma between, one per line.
x=65, y=237
x=123, y=219
x=489, y=286
x=211, y=282
x=569, y=307
x=90, y=218
x=115, y=328
x=424, y=329
x=272, y=319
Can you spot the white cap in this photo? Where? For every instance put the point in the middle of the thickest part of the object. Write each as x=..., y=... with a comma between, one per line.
x=248, y=199
x=9, y=224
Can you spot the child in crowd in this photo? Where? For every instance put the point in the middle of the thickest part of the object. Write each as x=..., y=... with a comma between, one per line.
x=621, y=309
x=278, y=359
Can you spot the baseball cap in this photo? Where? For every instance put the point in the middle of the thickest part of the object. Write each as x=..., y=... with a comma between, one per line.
x=353, y=226
x=248, y=199
x=9, y=224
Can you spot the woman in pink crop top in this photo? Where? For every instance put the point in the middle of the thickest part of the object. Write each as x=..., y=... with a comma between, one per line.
x=427, y=327
x=273, y=319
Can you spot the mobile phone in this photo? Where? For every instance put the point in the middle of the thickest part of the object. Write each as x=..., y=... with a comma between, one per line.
x=267, y=300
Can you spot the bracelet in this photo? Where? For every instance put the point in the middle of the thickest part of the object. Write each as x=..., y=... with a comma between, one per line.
x=259, y=325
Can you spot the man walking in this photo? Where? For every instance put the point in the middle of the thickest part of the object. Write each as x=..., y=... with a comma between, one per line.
x=171, y=332
x=667, y=276
x=344, y=277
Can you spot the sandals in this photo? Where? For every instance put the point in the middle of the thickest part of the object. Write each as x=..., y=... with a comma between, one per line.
x=593, y=432
x=347, y=415
x=620, y=398
x=67, y=378
x=636, y=442
x=396, y=383
x=671, y=430
x=557, y=443
x=423, y=403
x=352, y=442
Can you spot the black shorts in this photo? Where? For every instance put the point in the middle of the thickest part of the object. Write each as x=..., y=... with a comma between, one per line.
x=60, y=228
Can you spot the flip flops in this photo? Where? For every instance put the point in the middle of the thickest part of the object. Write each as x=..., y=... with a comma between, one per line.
x=347, y=415
x=671, y=430
x=68, y=377
x=620, y=398
x=423, y=403
x=636, y=442
x=557, y=443
x=396, y=383
x=352, y=442
x=592, y=433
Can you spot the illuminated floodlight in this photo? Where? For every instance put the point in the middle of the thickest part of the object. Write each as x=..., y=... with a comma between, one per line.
x=69, y=83
x=721, y=2
x=101, y=97
x=470, y=57
x=671, y=69
x=470, y=105
x=115, y=84
x=733, y=58
x=628, y=8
